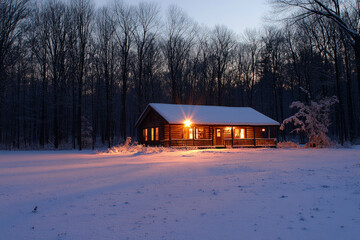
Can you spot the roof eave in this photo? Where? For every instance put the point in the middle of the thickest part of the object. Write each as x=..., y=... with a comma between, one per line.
x=235, y=124
x=143, y=114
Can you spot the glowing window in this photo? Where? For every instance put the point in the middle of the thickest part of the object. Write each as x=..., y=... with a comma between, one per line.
x=236, y=133
x=157, y=134
x=188, y=133
x=199, y=133
x=242, y=133
x=218, y=132
x=227, y=132
x=152, y=134
x=145, y=134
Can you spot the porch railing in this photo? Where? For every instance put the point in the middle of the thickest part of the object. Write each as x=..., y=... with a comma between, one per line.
x=258, y=142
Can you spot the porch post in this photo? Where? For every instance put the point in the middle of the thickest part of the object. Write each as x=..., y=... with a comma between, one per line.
x=209, y=134
x=232, y=136
x=212, y=135
x=254, y=137
x=169, y=135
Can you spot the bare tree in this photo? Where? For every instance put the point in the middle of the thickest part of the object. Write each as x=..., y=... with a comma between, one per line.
x=249, y=63
x=222, y=47
x=12, y=12
x=343, y=13
x=104, y=41
x=272, y=59
x=57, y=13
x=38, y=37
x=82, y=17
x=147, y=26
x=178, y=40
x=125, y=25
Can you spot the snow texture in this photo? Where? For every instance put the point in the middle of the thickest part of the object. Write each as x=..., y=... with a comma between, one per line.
x=200, y=114
x=181, y=194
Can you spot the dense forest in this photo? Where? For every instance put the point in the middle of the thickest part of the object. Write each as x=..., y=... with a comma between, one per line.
x=76, y=76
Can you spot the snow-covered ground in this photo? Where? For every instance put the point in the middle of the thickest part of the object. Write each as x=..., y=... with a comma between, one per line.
x=193, y=194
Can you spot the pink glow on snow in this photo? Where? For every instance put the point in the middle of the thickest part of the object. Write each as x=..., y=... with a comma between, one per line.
x=181, y=194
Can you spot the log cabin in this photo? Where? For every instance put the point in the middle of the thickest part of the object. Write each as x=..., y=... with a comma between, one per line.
x=205, y=126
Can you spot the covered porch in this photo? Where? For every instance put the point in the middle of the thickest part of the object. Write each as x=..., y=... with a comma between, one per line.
x=219, y=136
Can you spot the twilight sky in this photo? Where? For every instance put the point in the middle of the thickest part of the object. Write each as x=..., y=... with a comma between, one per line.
x=238, y=15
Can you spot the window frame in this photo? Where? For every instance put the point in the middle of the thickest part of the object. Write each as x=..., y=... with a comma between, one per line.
x=191, y=133
x=227, y=132
x=241, y=132
x=237, y=132
x=188, y=133
x=198, y=133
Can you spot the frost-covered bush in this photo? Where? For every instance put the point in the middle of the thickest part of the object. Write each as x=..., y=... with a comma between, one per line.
x=131, y=148
x=287, y=144
x=313, y=120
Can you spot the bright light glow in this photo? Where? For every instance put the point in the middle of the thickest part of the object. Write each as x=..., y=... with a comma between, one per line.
x=263, y=129
x=242, y=133
x=187, y=123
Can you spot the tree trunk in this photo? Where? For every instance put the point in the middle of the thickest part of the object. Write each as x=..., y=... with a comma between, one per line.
x=79, y=110
x=342, y=132
x=123, y=97
x=349, y=94
x=74, y=123
x=44, y=87
x=219, y=79
x=56, y=128
x=108, y=87
x=357, y=58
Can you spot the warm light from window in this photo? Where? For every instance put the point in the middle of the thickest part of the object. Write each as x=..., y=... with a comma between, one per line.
x=187, y=123
x=199, y=133
x=145, y=134
x=242, y=133
x=237, y=133
x=263, y=129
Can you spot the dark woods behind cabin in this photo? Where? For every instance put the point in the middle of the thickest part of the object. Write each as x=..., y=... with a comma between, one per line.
x=75, y=76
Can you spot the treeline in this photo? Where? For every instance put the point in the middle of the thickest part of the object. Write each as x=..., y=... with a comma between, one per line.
x=75, y=76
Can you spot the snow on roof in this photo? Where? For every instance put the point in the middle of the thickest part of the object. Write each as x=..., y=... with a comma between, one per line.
x=201, y=114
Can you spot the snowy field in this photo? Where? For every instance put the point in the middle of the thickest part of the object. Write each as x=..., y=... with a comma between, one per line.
x=194, y=194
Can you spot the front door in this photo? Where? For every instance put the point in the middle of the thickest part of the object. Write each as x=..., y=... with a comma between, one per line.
x=219, y=140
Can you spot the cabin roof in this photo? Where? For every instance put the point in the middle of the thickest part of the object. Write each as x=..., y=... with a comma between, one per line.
x=210, y=115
